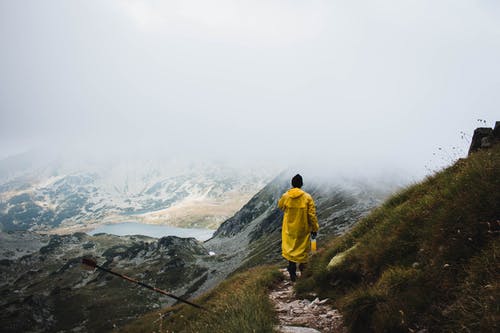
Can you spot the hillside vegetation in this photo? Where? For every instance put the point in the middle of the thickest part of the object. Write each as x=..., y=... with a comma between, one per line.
x=427, y=258
x=239, y=304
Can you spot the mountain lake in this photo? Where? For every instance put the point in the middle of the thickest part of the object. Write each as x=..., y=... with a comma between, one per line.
x=152, y=230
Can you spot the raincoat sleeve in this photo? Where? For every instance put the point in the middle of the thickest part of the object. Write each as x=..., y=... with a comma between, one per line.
x=311, y=215
x=281, y=202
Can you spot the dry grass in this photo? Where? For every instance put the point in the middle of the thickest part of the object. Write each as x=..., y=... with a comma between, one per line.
x=240, y=304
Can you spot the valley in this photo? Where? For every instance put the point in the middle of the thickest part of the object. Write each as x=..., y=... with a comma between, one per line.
x=45, y=289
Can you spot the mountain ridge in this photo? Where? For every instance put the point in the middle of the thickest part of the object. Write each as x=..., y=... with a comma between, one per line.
x=62, y=203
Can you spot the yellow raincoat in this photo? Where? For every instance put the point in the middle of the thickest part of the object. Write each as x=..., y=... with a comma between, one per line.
x=299, y=221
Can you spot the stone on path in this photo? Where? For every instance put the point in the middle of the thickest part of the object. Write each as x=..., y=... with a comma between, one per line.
x=295, y=329
x=302, y=315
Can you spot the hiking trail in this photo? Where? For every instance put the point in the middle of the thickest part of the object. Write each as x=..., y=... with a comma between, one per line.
x=301, y=315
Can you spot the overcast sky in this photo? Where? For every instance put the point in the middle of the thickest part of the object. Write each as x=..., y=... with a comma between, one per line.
x=348, y=84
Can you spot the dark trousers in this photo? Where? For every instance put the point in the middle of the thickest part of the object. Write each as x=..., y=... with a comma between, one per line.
x=292, y=267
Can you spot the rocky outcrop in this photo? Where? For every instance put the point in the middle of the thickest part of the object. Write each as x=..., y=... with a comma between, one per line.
x=47, y=289
x=485, y=137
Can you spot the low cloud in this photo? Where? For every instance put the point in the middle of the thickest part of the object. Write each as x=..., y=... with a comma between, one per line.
x=345, y=87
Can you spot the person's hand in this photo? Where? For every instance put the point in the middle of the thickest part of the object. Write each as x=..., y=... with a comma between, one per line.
x=314, y=234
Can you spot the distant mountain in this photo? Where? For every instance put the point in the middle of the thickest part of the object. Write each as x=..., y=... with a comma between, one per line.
x=179, y=194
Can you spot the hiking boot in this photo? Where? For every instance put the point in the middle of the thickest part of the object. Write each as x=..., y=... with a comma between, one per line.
x=293, y=276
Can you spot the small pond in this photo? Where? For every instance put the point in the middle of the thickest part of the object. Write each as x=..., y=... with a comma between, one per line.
x=151, y=230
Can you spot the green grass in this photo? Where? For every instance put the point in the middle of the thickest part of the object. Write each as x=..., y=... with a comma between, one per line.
x=427, y=258
x=239, y=304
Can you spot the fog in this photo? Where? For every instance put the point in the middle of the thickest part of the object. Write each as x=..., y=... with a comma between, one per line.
x=350, y=86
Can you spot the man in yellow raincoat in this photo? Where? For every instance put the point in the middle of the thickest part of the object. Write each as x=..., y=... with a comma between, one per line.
x=299, y=224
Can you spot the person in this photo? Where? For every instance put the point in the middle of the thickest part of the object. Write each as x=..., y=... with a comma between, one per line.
x=299, y=225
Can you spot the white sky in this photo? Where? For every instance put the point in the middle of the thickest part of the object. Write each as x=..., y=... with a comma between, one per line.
x=351, y=84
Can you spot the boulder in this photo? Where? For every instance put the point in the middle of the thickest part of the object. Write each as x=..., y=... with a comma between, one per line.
x=496, y=131
x=485, y=137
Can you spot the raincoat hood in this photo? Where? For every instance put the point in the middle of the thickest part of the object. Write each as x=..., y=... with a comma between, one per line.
x=295, y=192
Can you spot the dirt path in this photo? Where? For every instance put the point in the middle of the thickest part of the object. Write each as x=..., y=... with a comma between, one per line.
x=301, y=315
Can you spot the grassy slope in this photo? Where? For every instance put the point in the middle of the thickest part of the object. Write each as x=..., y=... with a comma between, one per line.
x=427, y=258
x=239, y=304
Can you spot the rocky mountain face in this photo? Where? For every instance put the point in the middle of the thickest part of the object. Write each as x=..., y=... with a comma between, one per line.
x=194, y=196
x=47, y=290
x=43, y=286
x=337, y=207
x=253, y=235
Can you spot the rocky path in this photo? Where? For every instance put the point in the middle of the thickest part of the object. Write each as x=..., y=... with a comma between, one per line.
x=301, y=315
